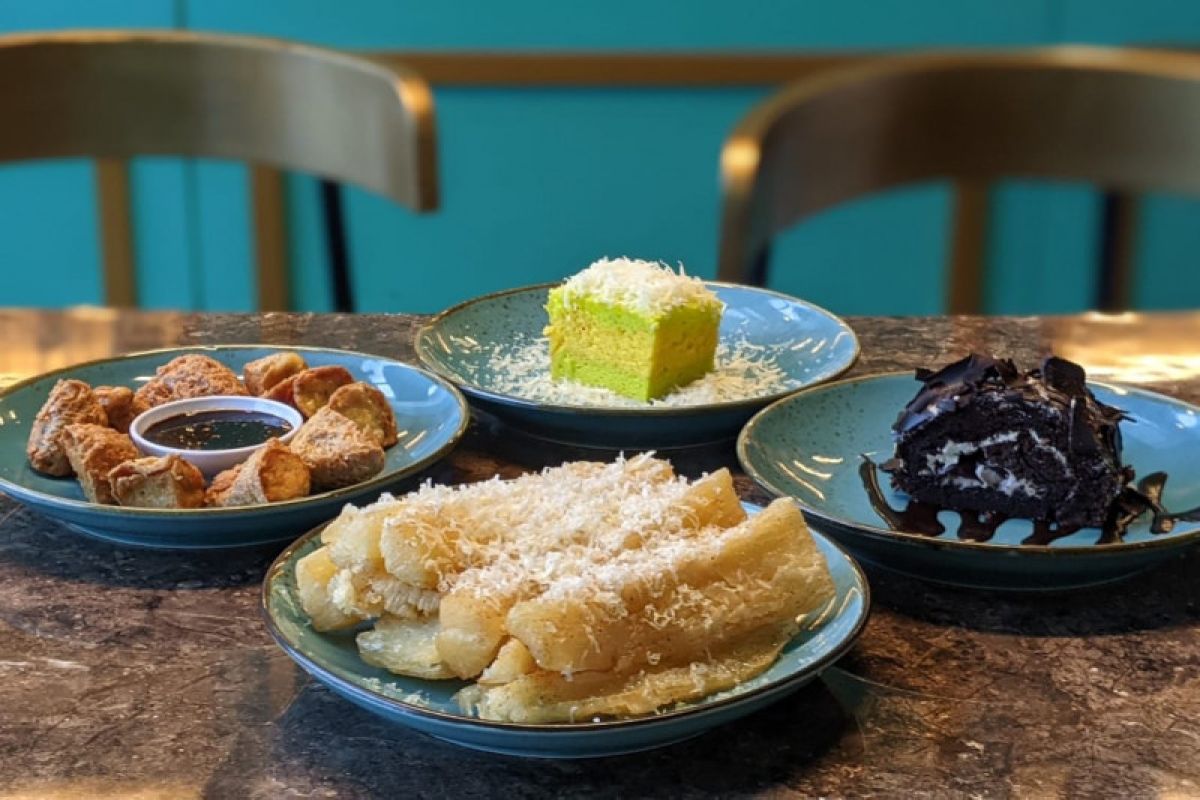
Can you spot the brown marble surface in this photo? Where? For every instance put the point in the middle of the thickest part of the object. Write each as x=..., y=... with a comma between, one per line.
x=126, y=673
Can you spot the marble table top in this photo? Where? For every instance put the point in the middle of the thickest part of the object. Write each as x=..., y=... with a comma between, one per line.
x=127, y=673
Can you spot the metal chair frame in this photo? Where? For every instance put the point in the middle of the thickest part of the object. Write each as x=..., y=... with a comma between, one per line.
x=114, y=95
x=1127, y=120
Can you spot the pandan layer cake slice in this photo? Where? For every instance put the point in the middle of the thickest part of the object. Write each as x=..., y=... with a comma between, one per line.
x=635, y=327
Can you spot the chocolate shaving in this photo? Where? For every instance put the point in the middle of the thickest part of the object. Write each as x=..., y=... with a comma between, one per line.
x=1081, y=437
x=1065, y=376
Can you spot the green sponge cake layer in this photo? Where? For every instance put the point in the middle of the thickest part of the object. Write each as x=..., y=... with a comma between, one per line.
x=614, y=329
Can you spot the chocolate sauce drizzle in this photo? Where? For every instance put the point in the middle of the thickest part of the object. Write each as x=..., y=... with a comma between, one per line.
x=1126, y=508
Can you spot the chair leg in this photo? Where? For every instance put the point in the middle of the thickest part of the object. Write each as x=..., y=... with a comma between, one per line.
x=968, y=248
x=334, y=214
x=759, y=268
x=1118, y=231
x=116, y=232
x=269, y=219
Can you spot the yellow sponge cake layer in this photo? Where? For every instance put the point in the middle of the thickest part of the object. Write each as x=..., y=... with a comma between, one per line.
x=635, y=328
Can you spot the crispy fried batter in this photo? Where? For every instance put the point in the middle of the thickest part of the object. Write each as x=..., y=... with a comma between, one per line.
x=272, y=474
x=283, y=392
x=93, y=451
x=191, y=375
x=366, y=407
x=336, y=451
x=221, y=485
x=118, y=406
x=168, y=482
x=70, y=401
x=263, y=373
x=313, y=387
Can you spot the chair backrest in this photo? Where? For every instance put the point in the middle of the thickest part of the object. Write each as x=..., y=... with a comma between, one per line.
x=1123, y=119
x=118, y=94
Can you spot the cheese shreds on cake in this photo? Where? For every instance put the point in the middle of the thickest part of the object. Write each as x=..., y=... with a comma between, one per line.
x=743, y=370
x=587, y=588
x=635, y=327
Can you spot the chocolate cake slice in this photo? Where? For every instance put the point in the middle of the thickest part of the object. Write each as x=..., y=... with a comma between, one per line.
x=981, y=436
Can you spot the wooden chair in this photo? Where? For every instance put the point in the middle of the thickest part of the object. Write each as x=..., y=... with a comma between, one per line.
x=1126, y=120
x=114, y=95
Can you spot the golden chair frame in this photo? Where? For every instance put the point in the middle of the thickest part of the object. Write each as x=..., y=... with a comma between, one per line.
x=115, y=95
x=1124, y=119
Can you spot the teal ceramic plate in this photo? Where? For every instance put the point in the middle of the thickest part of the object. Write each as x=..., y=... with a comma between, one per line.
x=810, y=446
x=430, y=413
x=487, y=346
x=427, y=706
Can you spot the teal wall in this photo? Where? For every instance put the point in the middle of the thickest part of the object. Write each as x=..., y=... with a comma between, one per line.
x=49, y=242
x=537, y=183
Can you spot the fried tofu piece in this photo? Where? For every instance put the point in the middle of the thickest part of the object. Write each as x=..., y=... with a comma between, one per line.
x=119, y=406
x=273, y=473
x=366, y=407
x=262, y=374
x=221, y=484
x=69, y=402
x=93, y=451
x=283, y=392
x=313, y=387
x=157, y=482
x=193, y=375
x=336, y=451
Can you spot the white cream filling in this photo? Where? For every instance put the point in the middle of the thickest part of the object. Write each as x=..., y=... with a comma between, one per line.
x=934, y=410
x=1042, y=444
x=1001, y=481
x=987, y=477
x=939, y=463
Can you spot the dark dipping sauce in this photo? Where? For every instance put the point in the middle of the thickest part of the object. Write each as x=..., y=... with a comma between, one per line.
x=217, y=430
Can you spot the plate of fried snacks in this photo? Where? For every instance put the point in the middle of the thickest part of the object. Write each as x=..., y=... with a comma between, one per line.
x=631, y=354
x=219, y=446
x=587, y=610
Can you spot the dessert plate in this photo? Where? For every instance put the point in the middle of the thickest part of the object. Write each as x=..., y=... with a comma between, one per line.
x=492, y=348
x=811, y=446
x=430, y=413
x=428, y=706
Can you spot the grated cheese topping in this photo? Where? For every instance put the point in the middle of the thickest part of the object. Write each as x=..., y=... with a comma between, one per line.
x=744, y=370
x=610, y=546
x=648, y=287
x=561, y=528
x=519, y=536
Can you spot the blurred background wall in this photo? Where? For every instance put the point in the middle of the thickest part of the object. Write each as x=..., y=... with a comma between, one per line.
x=537, y=182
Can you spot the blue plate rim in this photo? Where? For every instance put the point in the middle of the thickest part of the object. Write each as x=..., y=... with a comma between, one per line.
x=421, y=347
x=936, y=542
x=19, y=492
x=696, y=709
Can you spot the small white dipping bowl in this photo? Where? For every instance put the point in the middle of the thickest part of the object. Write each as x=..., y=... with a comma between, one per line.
x=210, y=462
